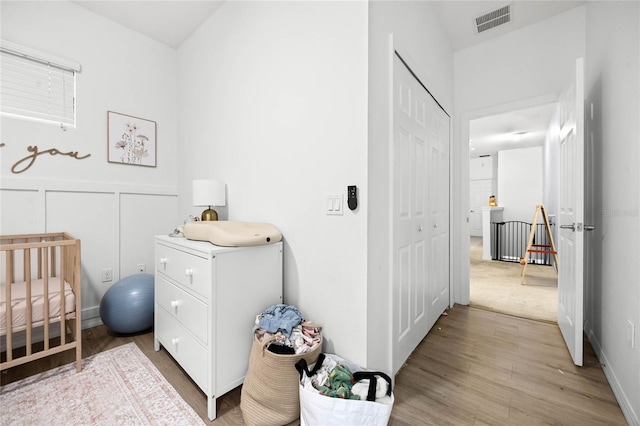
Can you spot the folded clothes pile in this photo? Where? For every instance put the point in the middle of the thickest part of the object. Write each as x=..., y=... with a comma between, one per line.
x=288, y=330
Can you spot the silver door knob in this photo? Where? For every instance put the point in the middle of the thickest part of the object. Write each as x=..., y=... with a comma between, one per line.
x=572, y=227
x=589, y=227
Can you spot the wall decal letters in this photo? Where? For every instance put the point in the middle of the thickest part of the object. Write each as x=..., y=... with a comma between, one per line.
x=19, y=167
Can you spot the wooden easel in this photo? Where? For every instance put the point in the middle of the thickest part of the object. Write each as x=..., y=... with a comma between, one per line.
x=539, y=248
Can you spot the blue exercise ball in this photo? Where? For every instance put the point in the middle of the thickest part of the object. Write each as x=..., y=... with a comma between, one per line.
x=127, y=306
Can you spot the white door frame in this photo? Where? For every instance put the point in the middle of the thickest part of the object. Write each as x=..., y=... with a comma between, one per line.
x=462, y=293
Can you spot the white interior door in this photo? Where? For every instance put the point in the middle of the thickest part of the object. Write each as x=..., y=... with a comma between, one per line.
x=571, y=216
x=409, y=207
x=438, y=204
x=479, y=193
x=420, y=213
x=475, y=202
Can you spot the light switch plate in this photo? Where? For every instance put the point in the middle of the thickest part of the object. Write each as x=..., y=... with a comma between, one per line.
x=335, y=205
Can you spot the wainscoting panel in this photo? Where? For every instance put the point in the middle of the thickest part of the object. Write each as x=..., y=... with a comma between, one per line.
x=88, y=216
x=20, y=211
x=115, y=222
x=143, y=216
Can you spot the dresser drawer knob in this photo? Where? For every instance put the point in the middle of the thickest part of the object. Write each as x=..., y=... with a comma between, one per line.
x=163, y=260
x=175, y=341
x=175, y=303
x=188, y=272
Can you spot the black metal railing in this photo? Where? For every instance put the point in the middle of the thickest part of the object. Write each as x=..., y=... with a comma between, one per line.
x=509, y=242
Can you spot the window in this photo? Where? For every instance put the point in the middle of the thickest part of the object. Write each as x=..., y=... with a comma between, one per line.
x=37, y=86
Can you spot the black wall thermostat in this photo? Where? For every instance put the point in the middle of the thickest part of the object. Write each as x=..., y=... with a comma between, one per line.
x=352, y=197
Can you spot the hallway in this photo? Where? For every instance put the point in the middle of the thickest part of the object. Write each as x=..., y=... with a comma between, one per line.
x=482, y=368
x=495, y=286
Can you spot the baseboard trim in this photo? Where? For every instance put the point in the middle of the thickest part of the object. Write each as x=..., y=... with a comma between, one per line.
x=625, y=405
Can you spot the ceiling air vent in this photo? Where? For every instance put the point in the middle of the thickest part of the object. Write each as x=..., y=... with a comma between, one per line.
x=493, y=19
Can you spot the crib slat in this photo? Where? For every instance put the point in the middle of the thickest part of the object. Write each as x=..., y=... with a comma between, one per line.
x=53, y=259
x=63, y=301
x=76, y=278
x=10, y=271
x=39, y=260
x=27, y=267
x=9, y=314
x=45, y=293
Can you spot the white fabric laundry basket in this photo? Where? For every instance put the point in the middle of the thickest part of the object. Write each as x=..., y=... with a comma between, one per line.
x=320, y=410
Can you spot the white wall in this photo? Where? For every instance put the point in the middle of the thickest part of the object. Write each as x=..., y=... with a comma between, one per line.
x=421, y=40
x=520, y=182
x=483, y=183
x=526, y=67
x=114, y=209
x=483, y=168
x=273, y=102
x=613, y=195
x=551, y=167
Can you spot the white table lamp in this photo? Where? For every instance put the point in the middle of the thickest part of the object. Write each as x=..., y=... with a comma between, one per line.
x=208, y=192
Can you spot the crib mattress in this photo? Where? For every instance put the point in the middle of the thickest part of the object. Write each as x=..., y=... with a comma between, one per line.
x=19, y=303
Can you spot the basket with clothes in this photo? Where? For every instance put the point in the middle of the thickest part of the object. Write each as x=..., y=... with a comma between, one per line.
x=338, y=392
x=281, y=338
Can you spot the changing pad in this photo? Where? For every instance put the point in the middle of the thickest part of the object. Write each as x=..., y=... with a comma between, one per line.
x=233, y=234
x=19, y=303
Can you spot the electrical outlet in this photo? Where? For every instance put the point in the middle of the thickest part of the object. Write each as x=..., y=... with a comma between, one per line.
x=107, y=275
x=142, y=267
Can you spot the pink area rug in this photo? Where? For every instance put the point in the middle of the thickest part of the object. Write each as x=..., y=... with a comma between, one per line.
x=117, y=387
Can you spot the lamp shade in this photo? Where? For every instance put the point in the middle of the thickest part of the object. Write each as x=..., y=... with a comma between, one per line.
x=208, y=192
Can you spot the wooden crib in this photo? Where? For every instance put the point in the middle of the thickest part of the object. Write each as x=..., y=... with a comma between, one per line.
x=40, y=276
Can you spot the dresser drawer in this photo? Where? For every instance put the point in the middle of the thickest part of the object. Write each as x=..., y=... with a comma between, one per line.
x=186, y=350
x=191, y=271
x=188, y=310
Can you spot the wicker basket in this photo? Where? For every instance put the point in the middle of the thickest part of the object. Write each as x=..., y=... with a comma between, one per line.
x=269, y=394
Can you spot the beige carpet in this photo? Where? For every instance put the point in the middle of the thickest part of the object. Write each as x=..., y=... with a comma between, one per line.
x=117, y=387
x=495, y=285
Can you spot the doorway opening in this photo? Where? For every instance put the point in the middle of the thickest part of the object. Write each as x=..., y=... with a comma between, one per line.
x=512, y=166
x=495, y=285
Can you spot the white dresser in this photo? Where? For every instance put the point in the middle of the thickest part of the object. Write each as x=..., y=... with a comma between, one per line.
x=206, y=301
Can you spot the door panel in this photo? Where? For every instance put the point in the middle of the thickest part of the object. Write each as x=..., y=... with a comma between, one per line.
x=479, y=192
x=439, y=207
x=571, y=216
x=408, y=214
x=420, y=199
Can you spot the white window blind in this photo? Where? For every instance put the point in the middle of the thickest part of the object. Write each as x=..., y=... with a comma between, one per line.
x=33, y=85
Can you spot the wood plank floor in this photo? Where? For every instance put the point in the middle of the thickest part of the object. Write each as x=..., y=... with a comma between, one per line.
x=475, y=367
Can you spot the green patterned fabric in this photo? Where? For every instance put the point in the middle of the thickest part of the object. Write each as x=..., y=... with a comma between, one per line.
x=340, y=383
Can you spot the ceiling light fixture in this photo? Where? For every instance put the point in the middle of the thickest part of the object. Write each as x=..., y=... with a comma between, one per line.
x=518, y=135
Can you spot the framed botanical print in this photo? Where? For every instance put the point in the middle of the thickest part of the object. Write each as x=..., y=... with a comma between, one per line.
x=131, y=140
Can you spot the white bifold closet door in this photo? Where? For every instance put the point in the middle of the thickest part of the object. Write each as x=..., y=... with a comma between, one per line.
x=420, y=199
